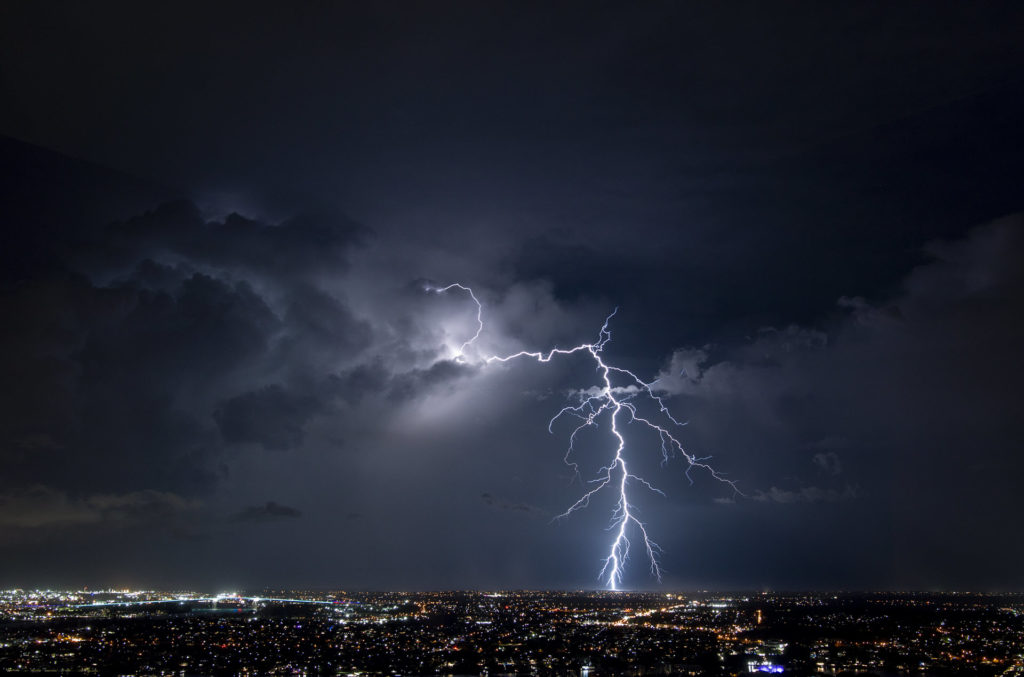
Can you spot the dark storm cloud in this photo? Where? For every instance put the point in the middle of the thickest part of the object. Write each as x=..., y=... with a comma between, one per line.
x=38, y=507
x=210, y=324
x=219, y=369
x=806, y=418
x=269, y=416
x=268, y=512
x=177, y=337
x=375, y=379
x=900, y=410
x=360, y=381
x=296, y=247
x=321, y=325
x=438, y=375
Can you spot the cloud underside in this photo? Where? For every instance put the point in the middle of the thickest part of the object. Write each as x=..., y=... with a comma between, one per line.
x=45, y=507
x=172, y=355
x=268, y=512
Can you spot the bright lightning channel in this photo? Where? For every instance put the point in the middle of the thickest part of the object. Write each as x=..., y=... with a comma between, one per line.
x=479, y=314
x=610, y=401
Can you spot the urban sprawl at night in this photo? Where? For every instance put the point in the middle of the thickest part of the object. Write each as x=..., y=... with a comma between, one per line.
x=510, y=633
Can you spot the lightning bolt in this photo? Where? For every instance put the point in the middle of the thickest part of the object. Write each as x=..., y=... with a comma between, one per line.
x=479, y=314
x=614, y=400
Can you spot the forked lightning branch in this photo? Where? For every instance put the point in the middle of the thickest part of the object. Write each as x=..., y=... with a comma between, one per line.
x=612, y=405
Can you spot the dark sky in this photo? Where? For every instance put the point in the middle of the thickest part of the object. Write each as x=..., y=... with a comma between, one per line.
x=218, y=366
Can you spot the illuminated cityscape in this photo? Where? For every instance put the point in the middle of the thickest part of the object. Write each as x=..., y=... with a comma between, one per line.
x=510, y=633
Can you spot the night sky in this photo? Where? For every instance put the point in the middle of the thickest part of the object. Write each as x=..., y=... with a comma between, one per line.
x=219, y=366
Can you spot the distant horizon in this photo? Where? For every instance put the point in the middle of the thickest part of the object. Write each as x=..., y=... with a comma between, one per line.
x=649, y=591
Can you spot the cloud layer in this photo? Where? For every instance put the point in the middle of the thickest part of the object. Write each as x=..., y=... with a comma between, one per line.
x=175, y=368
